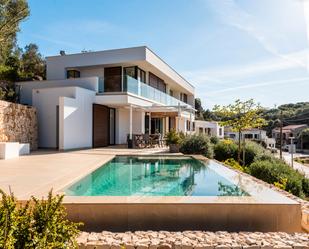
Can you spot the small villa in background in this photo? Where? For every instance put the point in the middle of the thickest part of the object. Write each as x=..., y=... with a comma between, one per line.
x=288, y=132
x=97, y=99
x=251, y=134
x=209, y=128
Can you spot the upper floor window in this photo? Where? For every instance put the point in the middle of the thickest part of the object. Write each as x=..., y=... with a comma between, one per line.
x=141, y=75
x=130, y=71
x=157, y=83
x=73, y=74
x=171, y=92
x=184, y=97
x=112, y=79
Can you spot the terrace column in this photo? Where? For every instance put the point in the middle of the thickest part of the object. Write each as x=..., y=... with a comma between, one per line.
x=149, y=123
x=130, y=140
x=131, y=118
x=178, y=118
x=190, y=122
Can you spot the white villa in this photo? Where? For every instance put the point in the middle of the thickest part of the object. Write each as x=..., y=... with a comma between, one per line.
x=209, y=128
x=103, y=98
x=251, y=134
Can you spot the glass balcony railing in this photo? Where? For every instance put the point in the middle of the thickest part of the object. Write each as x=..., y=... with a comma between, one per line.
x=139, y=88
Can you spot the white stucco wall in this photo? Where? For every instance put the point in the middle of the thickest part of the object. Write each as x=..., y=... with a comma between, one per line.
x=26, y=87
x=75, y=116
x=123, y=124
x=46, y=101
x=56, y=65
x=261, y=134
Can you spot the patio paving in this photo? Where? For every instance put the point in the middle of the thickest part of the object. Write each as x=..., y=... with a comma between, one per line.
x=43, y=170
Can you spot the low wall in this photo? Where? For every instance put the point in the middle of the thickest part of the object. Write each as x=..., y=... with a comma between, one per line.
x=192, y=240
x=232, y=217
x=18, y=123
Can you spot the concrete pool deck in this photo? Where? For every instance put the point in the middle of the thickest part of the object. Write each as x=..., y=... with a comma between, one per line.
x=43, y=170
x=38, y=173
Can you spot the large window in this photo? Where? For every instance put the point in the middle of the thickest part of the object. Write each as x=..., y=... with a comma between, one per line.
x=130, y=71
x=157, y=83
x=112, y=79
x=73, y=74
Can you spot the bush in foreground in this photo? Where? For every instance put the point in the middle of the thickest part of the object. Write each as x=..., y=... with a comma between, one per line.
x=36, y=224
x=225, y=149
x=277, y=172
x=197, y=144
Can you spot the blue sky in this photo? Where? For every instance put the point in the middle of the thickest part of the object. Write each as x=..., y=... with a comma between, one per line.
x=228, y=49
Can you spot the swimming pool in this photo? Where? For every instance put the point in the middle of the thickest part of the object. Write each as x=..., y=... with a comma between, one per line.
x=156, y=176
x=158, y=192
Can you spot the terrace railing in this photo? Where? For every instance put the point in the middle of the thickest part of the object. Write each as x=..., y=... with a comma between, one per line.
x=139, y=88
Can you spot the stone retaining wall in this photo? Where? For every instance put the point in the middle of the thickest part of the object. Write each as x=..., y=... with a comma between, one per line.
x=192, y=240
x=18, y=123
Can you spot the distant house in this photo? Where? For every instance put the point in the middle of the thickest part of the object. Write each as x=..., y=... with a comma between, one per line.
x=288, y=132
x=251, y=134
x=210, y=128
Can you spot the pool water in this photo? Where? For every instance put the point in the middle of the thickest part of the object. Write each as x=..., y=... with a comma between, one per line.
x=155, y=176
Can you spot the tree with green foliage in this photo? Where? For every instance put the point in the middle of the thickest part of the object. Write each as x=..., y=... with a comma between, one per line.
x=199, y=109
x=12, y=12
x=32, y=63
x=16, y=64
x=240, y=116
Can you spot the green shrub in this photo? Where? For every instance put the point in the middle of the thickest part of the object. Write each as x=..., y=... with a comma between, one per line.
x=253, y=151
x=274, y=171
x=214, y=140
x=197, y=144
x=173, y=137
x=234, y=164
x=225, y=149
x=36, y=224
x=305, y=184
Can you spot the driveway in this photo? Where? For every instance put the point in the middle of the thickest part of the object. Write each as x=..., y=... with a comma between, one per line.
x=300, y=167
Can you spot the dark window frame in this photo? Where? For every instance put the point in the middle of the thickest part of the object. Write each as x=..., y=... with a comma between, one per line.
x=120, y=76
x=158, y=81
x=76, y=73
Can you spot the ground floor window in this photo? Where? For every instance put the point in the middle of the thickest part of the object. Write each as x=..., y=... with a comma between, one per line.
x=156, y=125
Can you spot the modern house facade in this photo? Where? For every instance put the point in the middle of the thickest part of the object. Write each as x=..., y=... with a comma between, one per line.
x=96, y=99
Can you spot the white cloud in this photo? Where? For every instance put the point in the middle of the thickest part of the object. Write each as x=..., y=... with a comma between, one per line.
x=226, y=75
x=231, y=14
x=261, y=84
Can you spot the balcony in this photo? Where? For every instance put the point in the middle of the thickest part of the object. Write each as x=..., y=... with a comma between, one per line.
x=141, y=89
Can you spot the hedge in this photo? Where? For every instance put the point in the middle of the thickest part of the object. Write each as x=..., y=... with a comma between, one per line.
x=197, y=144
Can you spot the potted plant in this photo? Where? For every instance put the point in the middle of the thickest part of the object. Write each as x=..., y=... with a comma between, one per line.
x=173, y=141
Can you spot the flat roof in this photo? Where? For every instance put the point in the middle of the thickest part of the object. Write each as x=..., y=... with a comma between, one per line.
x=146, y=58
